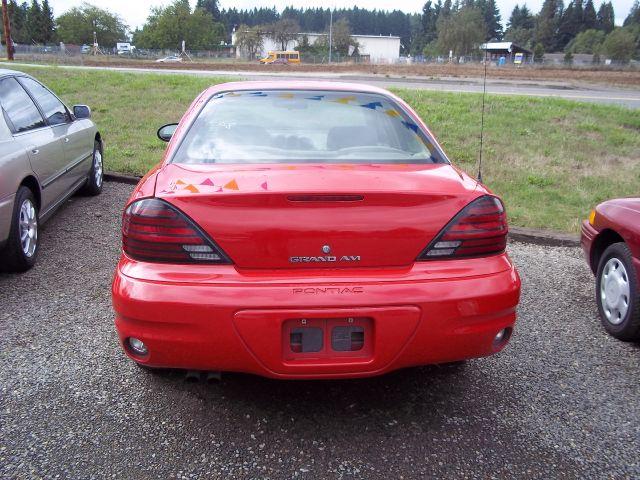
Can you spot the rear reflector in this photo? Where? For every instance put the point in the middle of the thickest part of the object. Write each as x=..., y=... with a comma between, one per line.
x=480, y=229
x=155, y=231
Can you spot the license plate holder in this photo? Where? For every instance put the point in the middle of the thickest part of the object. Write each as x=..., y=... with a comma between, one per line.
x=327, y=338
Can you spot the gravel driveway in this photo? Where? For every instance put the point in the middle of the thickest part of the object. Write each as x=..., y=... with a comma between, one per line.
x=560, y=402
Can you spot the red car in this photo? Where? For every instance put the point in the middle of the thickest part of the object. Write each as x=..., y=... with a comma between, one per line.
x=611, y=243
x=310, y=230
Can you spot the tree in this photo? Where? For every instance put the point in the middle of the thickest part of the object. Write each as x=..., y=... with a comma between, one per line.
x=430, y=22
x=620, y=45
x=605, y=17
x=491, y=17
x=520, y=27
x=167, y=27
x=571, y=23
x=589, y=41
x=249, y=40
x=461, y=32
x=78, y=24
x=446, y=8
x=538, y=53
x=589, y=17
x=35, y=23
x=523, y=37
x=210, y=6
x=547, y=24
x=521, y=17
x=284, y=31
x=634, y=15
x=48, y=23
x=568, y=58
x=18, y=18
x=341, y=37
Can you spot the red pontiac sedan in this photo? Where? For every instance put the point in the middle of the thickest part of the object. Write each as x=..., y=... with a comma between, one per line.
x=611, y=243
x=310, y=230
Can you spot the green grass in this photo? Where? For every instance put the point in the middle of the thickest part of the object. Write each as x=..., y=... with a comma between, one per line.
x=551, y=160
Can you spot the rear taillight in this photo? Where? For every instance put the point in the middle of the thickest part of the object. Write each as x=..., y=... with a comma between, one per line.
x=480, y=229
x=155, y=231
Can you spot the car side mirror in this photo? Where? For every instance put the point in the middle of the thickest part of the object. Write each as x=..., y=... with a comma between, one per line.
x=166, y=131
x=81, y=111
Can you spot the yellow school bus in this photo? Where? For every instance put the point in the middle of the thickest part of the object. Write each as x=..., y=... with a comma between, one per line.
x=281, y=57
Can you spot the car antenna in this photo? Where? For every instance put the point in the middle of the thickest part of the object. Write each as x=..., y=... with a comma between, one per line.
x=484, y=94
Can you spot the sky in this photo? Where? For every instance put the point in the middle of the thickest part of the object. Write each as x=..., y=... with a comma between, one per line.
x=134, y=12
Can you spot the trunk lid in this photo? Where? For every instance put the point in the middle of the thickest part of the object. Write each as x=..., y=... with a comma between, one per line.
x=318, y=216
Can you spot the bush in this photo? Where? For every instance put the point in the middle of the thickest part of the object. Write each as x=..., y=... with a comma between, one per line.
x=620, y=45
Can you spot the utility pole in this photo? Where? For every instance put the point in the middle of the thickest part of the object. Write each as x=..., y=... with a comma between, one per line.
x=7, y=30
x=330, y=32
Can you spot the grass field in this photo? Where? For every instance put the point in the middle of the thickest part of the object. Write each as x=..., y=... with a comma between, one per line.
x=551, y=160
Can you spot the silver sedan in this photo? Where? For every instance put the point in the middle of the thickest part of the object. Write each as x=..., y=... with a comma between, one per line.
x=47, y=153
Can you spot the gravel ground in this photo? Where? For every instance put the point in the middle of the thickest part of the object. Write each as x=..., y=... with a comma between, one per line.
x=560, y=402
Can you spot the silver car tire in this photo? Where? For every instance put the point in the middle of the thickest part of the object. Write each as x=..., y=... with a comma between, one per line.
x=21, y=249
x=95, y=178
x=617, y=293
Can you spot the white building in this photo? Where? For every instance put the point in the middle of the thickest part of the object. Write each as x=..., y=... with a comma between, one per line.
x=380, y=49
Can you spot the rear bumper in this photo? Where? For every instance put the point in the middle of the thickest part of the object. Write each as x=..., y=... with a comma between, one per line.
x=215, y=318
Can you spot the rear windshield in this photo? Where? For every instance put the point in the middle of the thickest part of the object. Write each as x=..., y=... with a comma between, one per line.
x=285, y=126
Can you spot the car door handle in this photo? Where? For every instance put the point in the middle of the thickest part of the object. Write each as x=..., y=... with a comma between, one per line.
x=35, y=151
x=66, y=139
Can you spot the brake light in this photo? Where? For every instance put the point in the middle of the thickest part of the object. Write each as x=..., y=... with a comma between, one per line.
x=480, y=229
x=155, y=231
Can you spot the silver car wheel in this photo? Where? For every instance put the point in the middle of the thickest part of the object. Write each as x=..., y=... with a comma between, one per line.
x=615, y=291
x=28, y=228
x=97, y=167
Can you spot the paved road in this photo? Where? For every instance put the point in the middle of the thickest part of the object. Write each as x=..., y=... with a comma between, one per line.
x=560, y=402
x=584, y=93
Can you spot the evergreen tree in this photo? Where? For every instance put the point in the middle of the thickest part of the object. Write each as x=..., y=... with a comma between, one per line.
x=606, y=17
x=210, y=6
x=35, y=23
x=514, y=18
x=521, y=17
x=589, y=17
x=547, y=25
x=429, y=22
x=634, y=15
x=446, y=9
x=571, y=24
x=492, y=18
x=18, y=18
x=48, y=23
x=521, y=26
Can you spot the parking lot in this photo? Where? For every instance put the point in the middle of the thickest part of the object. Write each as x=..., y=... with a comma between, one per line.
x=560, y=402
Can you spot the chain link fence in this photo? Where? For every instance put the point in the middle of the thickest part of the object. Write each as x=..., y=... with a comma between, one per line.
x=81, y=54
